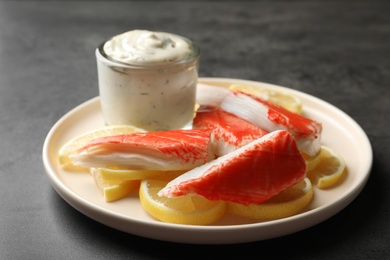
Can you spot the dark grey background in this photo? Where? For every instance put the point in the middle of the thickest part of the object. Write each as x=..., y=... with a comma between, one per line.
x=338, y=51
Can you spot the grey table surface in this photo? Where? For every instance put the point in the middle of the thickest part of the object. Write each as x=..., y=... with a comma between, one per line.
x=338, y=51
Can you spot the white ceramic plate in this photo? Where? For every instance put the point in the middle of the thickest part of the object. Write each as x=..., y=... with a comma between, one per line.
x=340, y=132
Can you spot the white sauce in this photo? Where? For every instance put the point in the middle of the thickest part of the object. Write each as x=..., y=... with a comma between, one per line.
x=147, y=48
x=148, y=79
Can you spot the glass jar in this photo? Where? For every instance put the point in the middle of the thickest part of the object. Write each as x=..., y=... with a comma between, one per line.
x=154, y=95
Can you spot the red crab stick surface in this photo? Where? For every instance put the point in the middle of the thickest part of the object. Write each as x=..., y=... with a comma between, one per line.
x=272, y=117
x=253, y=173
x=264, y=114
x=229, y=132
x=165, y=150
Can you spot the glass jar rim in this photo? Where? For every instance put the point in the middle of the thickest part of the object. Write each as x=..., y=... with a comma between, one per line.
x=189, y=59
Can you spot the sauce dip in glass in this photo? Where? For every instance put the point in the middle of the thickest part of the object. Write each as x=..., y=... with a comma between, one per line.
x=148, y=79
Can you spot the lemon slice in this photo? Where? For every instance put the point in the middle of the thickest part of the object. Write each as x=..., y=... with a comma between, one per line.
x=329, y=170
x=286, y=100
x=312, y=161
x=124, y=175
x=285, y=204
x=77, y=142
x=190, y=210
x=113, y=190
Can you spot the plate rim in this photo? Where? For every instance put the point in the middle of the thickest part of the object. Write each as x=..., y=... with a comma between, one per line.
x=214, y=233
